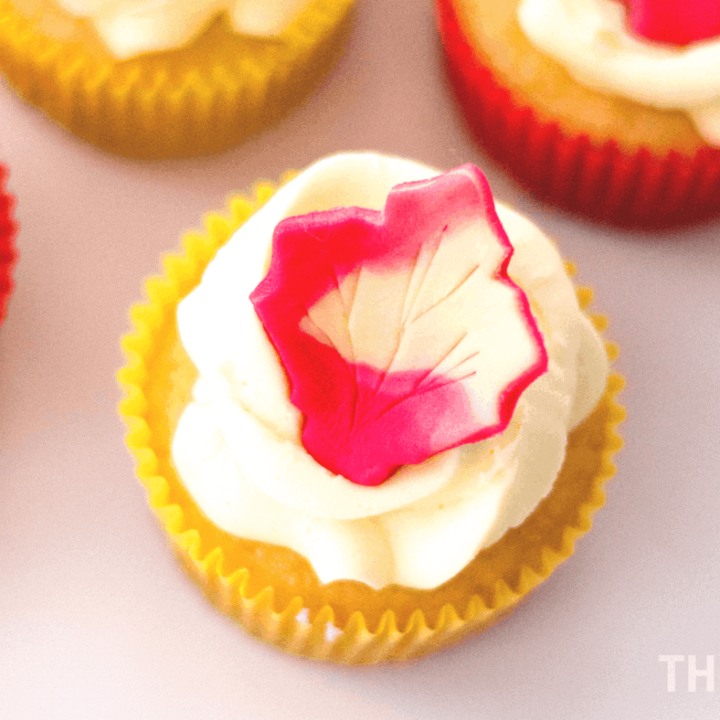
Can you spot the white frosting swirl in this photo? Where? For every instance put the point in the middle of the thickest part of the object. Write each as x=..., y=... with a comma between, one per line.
x=237, y=446
x=591, y=40
x=132, y=27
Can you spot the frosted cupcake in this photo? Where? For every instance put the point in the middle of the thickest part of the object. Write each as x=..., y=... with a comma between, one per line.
x=606, y=108
x=7, y=250
x=376, y=417
x=155, y=79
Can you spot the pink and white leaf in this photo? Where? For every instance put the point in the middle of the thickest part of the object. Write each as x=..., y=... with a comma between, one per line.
x=400, y=331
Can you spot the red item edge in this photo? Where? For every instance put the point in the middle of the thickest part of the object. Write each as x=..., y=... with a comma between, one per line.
x=8, y=255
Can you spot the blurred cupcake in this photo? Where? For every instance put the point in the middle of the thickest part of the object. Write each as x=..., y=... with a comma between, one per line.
x=449, y=429
x=7, y=250
x=157, y=79
x=608, y=109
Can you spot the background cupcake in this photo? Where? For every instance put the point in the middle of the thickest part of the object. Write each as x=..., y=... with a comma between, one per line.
x=161, y=79
x=310, y=572
x=585, y=111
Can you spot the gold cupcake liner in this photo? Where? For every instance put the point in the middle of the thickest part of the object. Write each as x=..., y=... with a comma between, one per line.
x=198, y=99
x=273, y=592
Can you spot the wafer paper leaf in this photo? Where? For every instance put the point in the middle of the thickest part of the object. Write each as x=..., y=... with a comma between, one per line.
x=670, y=21
x=400, y=331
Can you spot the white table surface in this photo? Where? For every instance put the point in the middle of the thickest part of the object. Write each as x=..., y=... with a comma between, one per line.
x=98, y=621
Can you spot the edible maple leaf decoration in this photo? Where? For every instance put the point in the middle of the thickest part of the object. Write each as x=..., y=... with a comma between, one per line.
x=400, y=331
x=677, y=23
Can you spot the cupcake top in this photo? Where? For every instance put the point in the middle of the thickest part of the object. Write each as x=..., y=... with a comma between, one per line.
x=239, y=444
x=602, y=48
x=132, y=27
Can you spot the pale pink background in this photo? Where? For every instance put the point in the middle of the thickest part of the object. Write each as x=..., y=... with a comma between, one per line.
x=97, y=620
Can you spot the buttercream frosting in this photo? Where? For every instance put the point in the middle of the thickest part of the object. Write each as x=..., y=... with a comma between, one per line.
x=237, y=446
x=132, y=27
x=590, y=38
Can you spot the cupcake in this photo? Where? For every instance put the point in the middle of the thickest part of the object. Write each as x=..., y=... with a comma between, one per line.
x=7, y=251
x=605, y=108
x=369, y=410
x=158, y=79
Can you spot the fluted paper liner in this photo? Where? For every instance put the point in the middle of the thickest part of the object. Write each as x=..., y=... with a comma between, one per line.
x=272, y=591
x=197, y=99
x=7, y=250
x=601, y=180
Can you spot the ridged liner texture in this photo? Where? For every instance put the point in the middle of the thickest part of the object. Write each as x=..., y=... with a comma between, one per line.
x=7, y=249
x=601, y=181
x=343, y=621
x=194, y=100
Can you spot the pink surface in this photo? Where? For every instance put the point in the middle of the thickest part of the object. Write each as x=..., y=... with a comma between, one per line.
x=97, y=621
x=361, y=421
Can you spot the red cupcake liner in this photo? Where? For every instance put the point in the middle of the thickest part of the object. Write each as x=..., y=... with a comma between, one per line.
x=598, y=180
x=7, y=249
